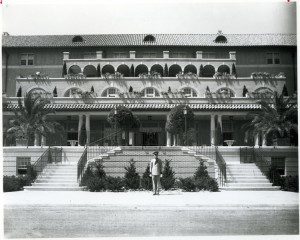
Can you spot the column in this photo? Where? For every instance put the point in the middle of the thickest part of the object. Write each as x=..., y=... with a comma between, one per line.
x=88, y=130
x=131, y=54
x=174, y=140
x=131, y=137
x=199, y=55
x=166, y=54
x=80, y=122
x=256, y=140
x=66, y=55
x=168, y=139
x=43, y=141
x=212, y=130
x=99, y=54
x=220, y=120
x=264, y=140
x=36, y=139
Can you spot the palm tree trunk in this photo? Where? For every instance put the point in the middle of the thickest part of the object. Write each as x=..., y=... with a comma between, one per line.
x=275, y=142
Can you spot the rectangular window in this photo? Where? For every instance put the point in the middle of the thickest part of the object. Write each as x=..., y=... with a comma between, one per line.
x=89, y=55
x=178, y=55
x=27, y=59
x=22, y=163
x=279, y=164
x=112, y=92
x=149, y=55
x=119, y=55
x=150, y=92
x=273, y=58
x=210, y=55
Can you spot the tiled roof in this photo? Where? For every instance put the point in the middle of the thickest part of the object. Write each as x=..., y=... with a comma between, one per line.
x=160, y=40
x=138, y=106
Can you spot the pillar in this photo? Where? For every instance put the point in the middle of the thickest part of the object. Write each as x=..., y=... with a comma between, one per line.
x=220, y=120
x=131, y=137
x=132, y=54
x=99, y=54
x=66, y=55
x=174, y=139
x=36, y=139
x=88, y=130
x=264, y=140
x=256, y=140
x=168, y=139
x=80, y=122
x=199, y=55
x=232, y=55
x=212, y=130
x=166, y=54
x=43, y=141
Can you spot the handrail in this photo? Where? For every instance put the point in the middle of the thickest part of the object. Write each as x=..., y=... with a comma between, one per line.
x=81, y=164
x=221, y=168
x=114, y=133
x=51, y=155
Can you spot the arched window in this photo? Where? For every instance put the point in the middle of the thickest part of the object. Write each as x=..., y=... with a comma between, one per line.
x=77, y=39
x=38, y=91
x=108, y=69
x=124, y=69
x=149, y=38
x=227, y=92
x=157, y=68
x=110, y=92
x=208, y=71
x=90, y=71
x=174, y=70
x=190, y=68
x=221, y=39
x=150, y=92
x=141, y=69
x=224, y=69
x=72, y=92
x=74, y=69
x=263, y=92
x=189, y=92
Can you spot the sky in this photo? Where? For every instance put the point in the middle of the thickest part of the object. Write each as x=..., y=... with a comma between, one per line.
x=146, y=16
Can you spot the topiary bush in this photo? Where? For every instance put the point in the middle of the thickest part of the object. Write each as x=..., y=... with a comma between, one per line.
x=168, y=178
x=96, y=184
x=187, y=184
x=146, y=181
x=203, y=181
x=132, y=178
x=290, y=183
x=115, y=184
x=11, y=184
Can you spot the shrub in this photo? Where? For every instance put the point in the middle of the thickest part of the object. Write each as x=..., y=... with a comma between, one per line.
x=132, y=178
x=115, y=184
x=11, y=183
x=96, y=184
x=168, y=179
x=19, y=93
x=291, y=183
x=187, y=184
x=146, y=180
x=203, y=181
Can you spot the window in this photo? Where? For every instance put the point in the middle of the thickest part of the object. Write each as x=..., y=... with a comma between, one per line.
x=149, y=55
x=221, y=39
x=73, y=92
x=27, y=59
x=110, y=92
x=150, y=92
x=119, y=55
x=273, y=58
x=188, y=92
x=149, y=38
x=77, y=39
x=22, y=163
x=178, y=54
x=89, y=55
x=279, y=164
x=208, y=55
x=225, y=92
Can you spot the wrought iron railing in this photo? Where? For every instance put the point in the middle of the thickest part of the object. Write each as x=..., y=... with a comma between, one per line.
x=81, y=164
x=208, y=151
x=51, y=155
x=222, y=172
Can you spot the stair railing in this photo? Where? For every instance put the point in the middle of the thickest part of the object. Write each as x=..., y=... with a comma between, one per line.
x=81, y=164
x=51, y=155
x=222, y=172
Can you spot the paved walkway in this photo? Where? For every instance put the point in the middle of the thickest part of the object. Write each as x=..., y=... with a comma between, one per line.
x=166, y=198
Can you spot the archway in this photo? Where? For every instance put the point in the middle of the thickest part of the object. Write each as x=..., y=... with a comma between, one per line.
x=90, y=71
x=224, y=69
x=140, y=69
x=190, y=68
x=108, y=69
x=208, y=71
x=174, y=70
x=124, y=69
x=157, y=68
x=74, y=69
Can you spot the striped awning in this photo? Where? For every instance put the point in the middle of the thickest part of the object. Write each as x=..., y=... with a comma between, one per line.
x=141, y=106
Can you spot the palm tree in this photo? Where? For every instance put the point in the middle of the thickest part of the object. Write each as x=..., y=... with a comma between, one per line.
x=276, y=118
x=30, y=119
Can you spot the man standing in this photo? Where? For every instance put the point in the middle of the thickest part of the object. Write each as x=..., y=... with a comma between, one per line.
x=156, y=173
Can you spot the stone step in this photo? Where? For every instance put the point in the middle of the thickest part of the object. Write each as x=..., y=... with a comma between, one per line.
x=53, y=184
x=35, y=188
x=249, y=180
x=56, y=177
x=53, y=180
x=239, y=184
x=272, y=188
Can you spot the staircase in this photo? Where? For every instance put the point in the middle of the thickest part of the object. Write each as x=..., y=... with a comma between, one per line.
x=56, y=177
x=247, y=177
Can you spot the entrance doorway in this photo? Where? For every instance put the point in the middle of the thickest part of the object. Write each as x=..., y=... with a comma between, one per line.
x=150, y=139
